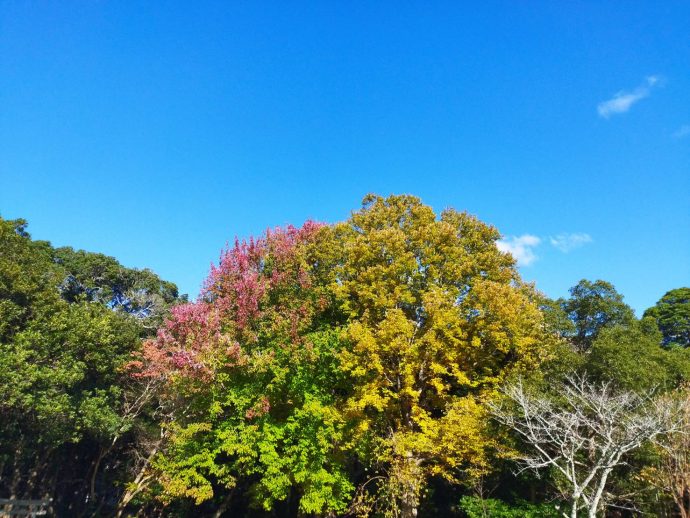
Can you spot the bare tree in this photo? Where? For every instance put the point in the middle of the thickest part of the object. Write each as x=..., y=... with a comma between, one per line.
x=584, y=433
x=147, y=443
x=671, y=475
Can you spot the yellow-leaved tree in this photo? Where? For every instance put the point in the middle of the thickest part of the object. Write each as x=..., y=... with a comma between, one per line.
x=437, y=317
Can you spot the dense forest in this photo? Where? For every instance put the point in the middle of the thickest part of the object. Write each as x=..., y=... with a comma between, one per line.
x=391, y=365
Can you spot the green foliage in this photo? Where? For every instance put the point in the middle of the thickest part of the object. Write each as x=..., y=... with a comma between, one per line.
x=672, y=316
x=253, y=377
x=324, y=370
x=475, y=507
x=100, y=272
x=288, y=445
x=632, y=358
x=556, y=319
x=61, y=362
x=592, y=306
x=27, y=280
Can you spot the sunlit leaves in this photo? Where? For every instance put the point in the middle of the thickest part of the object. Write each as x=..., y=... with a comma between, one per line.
x=437, y=317
x=253, y=377
x=375, y=340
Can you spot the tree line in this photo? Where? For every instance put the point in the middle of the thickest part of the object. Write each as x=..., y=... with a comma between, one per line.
x=391, y=365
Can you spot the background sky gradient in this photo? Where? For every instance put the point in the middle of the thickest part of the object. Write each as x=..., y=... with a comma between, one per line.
x=155, y=132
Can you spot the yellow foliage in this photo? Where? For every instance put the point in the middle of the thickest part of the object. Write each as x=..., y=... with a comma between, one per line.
x=438, y=317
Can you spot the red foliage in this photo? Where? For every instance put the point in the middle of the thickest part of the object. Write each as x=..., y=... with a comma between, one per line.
x=241, y=292
x=260, y=408
x=181, y=344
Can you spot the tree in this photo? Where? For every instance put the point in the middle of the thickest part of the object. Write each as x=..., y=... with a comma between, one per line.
x=593, y=306
x=556, y=319
x=436, y=318
x=585, y=434
x=671, y=473
x=321, y=356
x=672, y=316
x=97, y=277
x=66, y=402
x=252, y=380
x=632, y=359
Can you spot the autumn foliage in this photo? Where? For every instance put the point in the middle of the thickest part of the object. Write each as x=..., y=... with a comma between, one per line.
x=347, y=369
x=342, y=365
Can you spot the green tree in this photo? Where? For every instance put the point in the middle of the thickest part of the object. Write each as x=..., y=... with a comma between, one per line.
x=252, y=380
x=556, y=319
x=631, y=357
x=65, y=397
x=672, y=316
x=593, y=306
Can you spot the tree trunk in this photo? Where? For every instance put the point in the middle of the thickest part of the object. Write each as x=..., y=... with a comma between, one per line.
x=16, y=474
x=594, y=505
x=224, y=506
x=408, y=481
x=140, y=482
x=681, y=503
x=97, y=464
x=408, y=505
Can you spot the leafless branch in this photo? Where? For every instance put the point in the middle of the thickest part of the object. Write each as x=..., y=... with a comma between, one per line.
x=585, y=433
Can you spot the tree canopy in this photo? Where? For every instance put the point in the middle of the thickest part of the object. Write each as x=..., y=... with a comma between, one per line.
x=377, y=338
x=672, y=316
x=593, y=306
x=61, y=359
x=362, y=368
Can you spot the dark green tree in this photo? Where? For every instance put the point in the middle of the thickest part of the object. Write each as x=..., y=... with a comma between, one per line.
x=672, y=316
x=631, y=357
x=556, y=320
x=593, y=306
x=66, y=404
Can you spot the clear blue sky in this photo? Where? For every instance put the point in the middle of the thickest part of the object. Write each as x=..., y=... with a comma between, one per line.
x=157, y=131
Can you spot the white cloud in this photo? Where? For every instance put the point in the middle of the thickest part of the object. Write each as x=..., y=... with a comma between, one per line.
x=622, y=101
x=652, y=80
x=567, y=242
x=520, y=247
x=682, y=132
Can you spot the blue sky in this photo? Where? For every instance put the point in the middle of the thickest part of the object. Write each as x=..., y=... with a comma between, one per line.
x=155, y=132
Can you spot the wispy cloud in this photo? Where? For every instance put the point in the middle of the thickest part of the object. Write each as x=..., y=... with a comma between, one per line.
x=520, y=247
x=523, y=248
x=682, y=132
x=623, y=100
x=567, y=242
